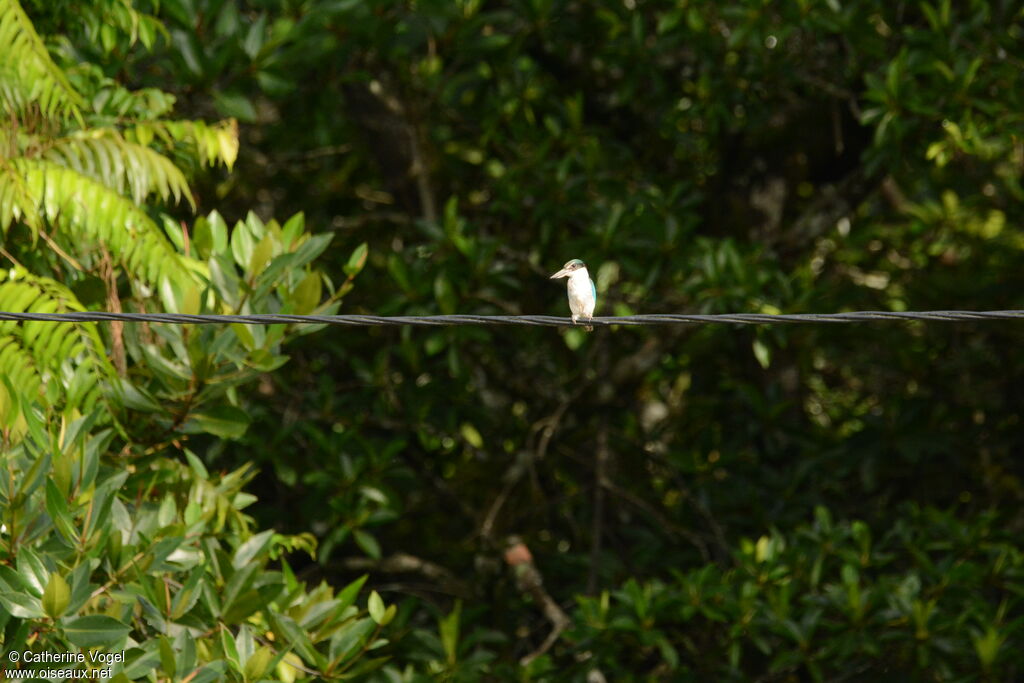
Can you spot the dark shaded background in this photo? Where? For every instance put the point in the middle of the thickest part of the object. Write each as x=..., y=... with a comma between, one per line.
x=700, y=157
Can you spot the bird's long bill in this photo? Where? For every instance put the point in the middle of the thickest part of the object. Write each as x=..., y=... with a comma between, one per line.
x=564, y=272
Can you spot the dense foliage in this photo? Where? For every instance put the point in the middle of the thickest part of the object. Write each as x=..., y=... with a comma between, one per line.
x=117, y=540
x=701, y=503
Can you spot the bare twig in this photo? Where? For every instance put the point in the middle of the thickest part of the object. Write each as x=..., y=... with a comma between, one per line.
x=492, y=513
x=403, y=563
x=109, y=277
x=698, y=505
x=60, y=252
x=418, y=169
x=551, y=423
x=530, y=581
x=316, y=153
x=367, y=218
x=547, y=428
x=666, y=523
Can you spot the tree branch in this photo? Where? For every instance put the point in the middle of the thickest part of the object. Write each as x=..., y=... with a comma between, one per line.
x=530, y=581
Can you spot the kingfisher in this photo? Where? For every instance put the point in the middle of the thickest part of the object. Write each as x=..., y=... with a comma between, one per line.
x=582, y=292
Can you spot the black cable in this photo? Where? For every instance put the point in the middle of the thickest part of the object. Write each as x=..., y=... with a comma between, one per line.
x=536, y=320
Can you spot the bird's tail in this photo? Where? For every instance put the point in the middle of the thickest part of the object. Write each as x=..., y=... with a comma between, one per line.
x=589, y=328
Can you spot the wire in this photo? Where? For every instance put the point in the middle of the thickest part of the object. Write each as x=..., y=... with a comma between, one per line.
x=535, y=320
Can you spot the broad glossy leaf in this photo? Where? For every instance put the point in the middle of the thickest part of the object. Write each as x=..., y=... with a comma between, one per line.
x=252, y=548
x=57, y=506
x=94, y=630
x=22, y=605
x=290, y=632
x=56, y=596
x=349, y=637
x=225, y=421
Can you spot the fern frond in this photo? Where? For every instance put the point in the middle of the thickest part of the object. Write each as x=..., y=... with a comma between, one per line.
x=95, y=19
x=122, y=16
x=28, y=76
x=210, y=143
x=123, y=166
x=41, y=358
x=16, y=201
x=17, y=365
x=84, y=209
x=114, y=102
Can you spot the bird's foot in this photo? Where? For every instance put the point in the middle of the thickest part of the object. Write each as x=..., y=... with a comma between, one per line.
x=576, y=321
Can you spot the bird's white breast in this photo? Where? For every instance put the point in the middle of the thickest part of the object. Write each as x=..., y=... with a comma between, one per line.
x=581, y=293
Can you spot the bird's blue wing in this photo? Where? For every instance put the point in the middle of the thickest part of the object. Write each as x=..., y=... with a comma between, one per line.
x=593, y=290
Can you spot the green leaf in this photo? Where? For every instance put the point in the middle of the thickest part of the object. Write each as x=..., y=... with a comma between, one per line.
x=22, y=605
x=32, y=571
x=290, y=633
x=88, y=212
x=449, y=631
x=348, y=594
x=57, y=507
x=261, y=254
x=239, y=583
x=258, y=663
x=56, y=596
x=197, y=465
x=11, y=580
x=235, y=104
x=471, y=435
x=225, y=421
x=209, y=673
x=668, y=653
x=35, y=81
x=81, y=589
x=368, y=543
x=346, y=641
x=375, y=606
x=987, y=645
x=94, y=630
x=189, y=593
x=218, y=232
x=252, y=548
x=254, y=37
x=167, y=660
x=185, y=654
x=102, y=503
x=306, y=295
x=445, y=294
x=762, y=353
x=311, y=248
x=9, y=404
x=230, y=647
x=191, y=299
x=167, y=513
x=293, y=228
x=357, y=260
x=136, y=398
x=242, y=244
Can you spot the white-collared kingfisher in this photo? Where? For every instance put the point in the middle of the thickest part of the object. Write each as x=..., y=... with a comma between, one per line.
x=582, y=292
